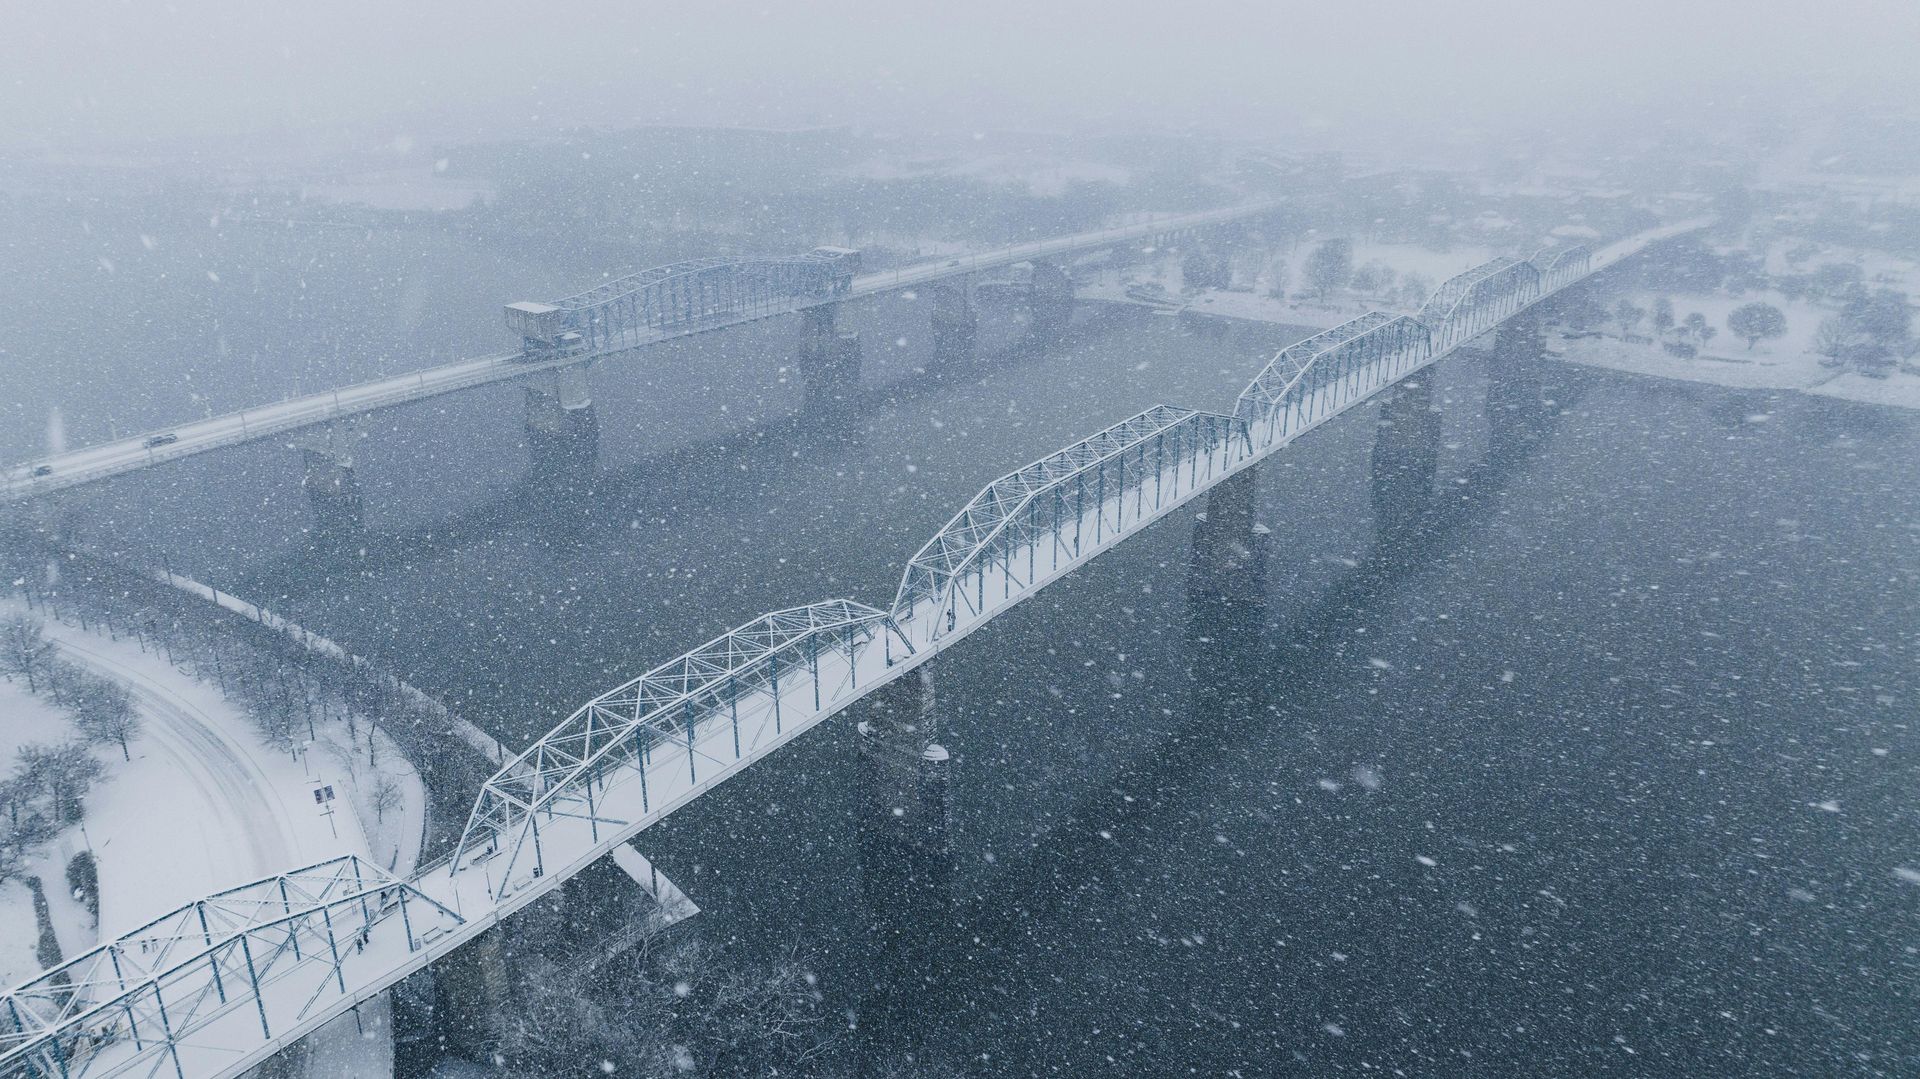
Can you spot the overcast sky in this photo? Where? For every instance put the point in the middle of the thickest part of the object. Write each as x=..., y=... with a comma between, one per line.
x=86, y=70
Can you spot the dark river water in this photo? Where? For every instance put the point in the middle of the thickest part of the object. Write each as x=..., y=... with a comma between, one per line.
x=1608, y=767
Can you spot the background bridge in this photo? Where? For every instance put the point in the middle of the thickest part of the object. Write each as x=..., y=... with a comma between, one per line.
x=619, y=316
x=214, y=996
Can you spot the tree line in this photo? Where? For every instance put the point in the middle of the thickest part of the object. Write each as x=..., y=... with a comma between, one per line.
x=47, y=788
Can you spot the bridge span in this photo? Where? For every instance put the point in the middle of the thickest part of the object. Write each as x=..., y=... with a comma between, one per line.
x=217, y=986
x=621, y=316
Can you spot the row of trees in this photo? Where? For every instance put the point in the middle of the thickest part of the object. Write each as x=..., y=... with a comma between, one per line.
x=49, y=782
x=1753, y=322
x=102, y=708
x=1329, y=268
x=289, y=692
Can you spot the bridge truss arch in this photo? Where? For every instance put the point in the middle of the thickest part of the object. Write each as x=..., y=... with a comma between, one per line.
x=1014, y=513
x=1469, y=304
x=626, y=310
x=592, y=768
x=1309, y=378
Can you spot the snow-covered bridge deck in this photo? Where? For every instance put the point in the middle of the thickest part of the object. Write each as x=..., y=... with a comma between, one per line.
x=218, y=986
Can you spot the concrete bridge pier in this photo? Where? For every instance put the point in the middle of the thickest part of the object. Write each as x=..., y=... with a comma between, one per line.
x=829, y=360
x=1229, y=547
x=906, y=845
x=1406, y=457
x=562, y=427
x=1049, y=301
x=473, y=995
x=1227, y=600
x=954, y=322
x=1517, y=409
x=332, y=486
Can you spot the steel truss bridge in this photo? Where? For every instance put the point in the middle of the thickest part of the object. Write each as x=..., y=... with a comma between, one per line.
x=617, y=317
x=217, y=986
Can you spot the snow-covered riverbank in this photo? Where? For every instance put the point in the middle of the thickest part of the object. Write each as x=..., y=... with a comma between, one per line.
x=203, y=804
x=1763, y=369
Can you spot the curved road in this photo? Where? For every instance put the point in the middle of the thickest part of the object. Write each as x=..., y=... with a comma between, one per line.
x=238, y=817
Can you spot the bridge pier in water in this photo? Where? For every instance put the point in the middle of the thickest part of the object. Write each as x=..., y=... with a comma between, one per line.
x=906, y=845
x=1049, y=300
x=1517, y=409
x=472, y=995
x=1406, y=457
x=954, y=321
x=562, y=427
x=331, y=484
x=1227, y=596
x=829, y=360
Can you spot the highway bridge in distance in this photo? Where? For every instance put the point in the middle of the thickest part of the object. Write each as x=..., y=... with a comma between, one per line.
x=705, y=295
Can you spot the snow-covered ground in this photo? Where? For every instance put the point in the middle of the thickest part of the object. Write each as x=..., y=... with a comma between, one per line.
x=203, y=804
x=1878, y=269
x=1786, y=363
x=1403, y=259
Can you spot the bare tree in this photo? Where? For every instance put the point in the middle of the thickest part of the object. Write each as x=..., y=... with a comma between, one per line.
x=26, y=823
x=105, y=712
x=59, y=777
x=1662, y=315
x=1757, y=321
x=24, y=650
x=1329, y=267
x=1628, y=314
x=386, y=797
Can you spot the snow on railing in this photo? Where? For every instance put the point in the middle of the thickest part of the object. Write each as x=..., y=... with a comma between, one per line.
x=202, y=969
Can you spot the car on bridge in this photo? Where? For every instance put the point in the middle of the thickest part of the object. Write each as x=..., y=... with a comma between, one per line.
x=42, y=470
x=167, y=439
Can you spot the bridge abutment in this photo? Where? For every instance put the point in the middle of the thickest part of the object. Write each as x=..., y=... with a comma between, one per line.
x=562, y=427
x=829, y=360
x=1406, y=457
x=1049, y=300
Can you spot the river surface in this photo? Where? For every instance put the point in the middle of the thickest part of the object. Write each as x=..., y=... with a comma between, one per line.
x=1607, y=768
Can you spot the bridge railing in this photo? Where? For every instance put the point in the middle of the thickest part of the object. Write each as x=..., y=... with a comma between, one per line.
x=200, y=970
x=627, y=310
x=634, y=750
